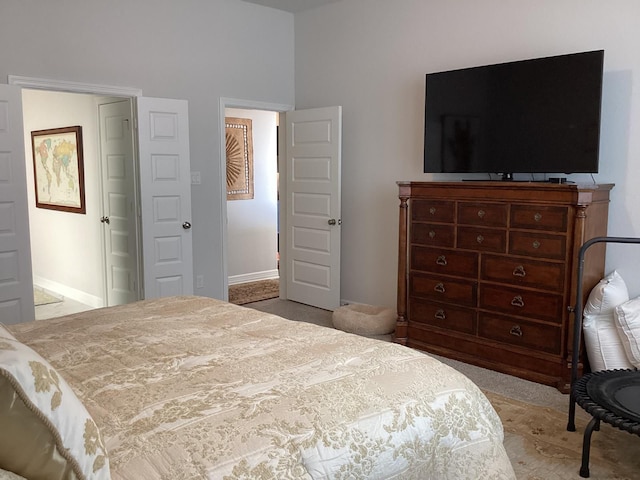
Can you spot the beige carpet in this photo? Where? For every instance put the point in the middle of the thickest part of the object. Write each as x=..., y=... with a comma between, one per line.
x=541, y=448
x=243, y=293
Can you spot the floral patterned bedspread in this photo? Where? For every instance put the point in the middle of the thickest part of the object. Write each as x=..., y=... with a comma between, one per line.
x=195, y=388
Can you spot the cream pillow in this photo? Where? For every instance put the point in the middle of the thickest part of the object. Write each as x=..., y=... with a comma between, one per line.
x=47, y=433
x=602, y=341
x=628, y=323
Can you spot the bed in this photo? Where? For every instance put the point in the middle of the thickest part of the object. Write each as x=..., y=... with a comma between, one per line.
x=195, y=388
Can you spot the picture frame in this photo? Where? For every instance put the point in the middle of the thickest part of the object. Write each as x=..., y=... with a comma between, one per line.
x=239, y=151
x=58, y=169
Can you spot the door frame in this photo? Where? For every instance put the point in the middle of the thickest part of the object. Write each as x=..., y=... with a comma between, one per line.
x=280, y=108
x=36, y=83
x=72, y=87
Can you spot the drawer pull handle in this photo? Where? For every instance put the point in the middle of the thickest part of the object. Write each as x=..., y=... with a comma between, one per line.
x=480, y=239
x=517, y=301
x=441, y=260
x=516, y=331
x=481, y=213
x=440, y=315
x=536, y=244
x=537, y=217
x=432, y=234
x=519, y=271
x=432, y=210
x=439, y=288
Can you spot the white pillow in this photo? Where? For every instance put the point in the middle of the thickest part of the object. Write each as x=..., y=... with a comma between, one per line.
x=610, y=292
x=628, y=323
x=602, y=341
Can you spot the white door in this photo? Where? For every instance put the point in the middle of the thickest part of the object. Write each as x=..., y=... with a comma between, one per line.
x=165, y=196
x=16, y=281
x=119, y=217
x=313, y=157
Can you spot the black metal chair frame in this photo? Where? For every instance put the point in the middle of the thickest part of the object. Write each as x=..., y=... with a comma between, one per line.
x=579, y=394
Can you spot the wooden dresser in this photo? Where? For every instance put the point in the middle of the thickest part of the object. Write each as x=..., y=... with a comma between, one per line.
x=487, y=271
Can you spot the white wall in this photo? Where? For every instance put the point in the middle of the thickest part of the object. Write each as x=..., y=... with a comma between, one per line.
x=66, y=248
x=198, y=50
x=371, y=57
x=252, y=231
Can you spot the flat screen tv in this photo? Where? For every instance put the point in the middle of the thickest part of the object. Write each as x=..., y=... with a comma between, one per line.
x=531, y=116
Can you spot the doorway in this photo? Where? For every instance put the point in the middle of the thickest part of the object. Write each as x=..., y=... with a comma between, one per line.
x=252, y=223
x=162, y=150
x=69, y=251
x=310, y=157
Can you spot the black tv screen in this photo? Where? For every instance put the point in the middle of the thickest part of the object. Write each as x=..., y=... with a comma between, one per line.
x=531, y=116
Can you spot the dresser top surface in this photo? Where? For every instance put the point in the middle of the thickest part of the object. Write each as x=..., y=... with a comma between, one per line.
x=545, y=192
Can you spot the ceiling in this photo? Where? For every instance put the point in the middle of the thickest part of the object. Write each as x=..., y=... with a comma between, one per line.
x=293, y=6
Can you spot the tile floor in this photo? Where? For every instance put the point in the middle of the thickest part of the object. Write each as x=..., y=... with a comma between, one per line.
x=66, y=307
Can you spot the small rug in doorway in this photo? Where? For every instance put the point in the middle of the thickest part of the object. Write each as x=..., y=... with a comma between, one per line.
x=40, y=297
x=249, y=292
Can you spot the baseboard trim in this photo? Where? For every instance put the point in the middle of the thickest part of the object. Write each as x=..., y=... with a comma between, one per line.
x=68, y=292
x=254, y=277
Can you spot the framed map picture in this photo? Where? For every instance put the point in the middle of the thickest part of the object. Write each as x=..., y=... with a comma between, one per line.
x=58, y=169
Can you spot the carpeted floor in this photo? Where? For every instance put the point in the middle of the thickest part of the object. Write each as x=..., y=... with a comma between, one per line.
x=534, y=418
x=243, y=293
x=541, y=448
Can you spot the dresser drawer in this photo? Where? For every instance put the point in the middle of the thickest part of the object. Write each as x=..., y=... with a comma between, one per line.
x=433, y=234
x=523, y=272
x=448, y=262
x=483, y=214
x=542, y=245
x=462, y=292
x=536, y=336
x=537, y=217
x=482, y=239
x=525, y=303
x=442, y=315
x=426, y=210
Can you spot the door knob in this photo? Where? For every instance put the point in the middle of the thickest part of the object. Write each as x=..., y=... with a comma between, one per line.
x=186, y=225
x=333, y=221
x=105, y=220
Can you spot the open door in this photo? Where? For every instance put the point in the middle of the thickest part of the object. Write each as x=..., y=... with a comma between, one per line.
x=16, y=278
x=313, y=209
x=165, y=196
x=120, y=213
